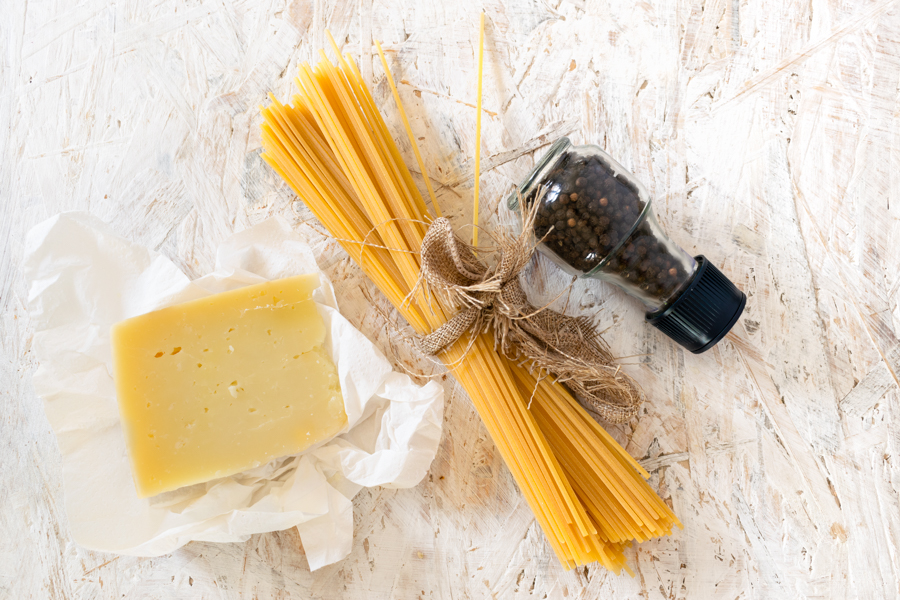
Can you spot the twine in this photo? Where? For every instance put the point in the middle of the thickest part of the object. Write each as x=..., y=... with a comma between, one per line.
x=490, y=297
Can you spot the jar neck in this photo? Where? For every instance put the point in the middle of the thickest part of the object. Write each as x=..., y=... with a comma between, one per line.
x=539, y=172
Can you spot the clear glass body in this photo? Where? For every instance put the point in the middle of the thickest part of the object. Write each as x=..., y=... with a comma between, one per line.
x=595, y=220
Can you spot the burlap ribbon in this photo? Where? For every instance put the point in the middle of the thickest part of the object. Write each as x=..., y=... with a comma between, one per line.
x=490, y=297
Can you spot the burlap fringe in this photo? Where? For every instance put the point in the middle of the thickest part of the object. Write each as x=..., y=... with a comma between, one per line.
x=490, y=297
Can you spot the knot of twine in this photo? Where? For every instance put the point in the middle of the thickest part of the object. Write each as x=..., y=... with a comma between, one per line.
x=490, y=297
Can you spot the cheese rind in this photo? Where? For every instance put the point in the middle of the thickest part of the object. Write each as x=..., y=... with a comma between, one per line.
x=216, y=386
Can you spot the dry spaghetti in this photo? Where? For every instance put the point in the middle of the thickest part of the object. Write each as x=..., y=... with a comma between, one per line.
x=333, y=148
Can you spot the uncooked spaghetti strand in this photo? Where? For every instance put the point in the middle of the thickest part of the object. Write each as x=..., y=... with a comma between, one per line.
x=478, y=129
x=409, y=132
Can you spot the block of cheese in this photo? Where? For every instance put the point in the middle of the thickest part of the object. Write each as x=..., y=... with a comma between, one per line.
x=216, y=386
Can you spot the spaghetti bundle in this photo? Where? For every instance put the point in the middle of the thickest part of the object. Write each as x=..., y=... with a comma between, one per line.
x=331, y=145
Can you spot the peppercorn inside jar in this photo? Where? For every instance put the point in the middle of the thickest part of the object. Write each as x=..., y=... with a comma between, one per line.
x=595, y=219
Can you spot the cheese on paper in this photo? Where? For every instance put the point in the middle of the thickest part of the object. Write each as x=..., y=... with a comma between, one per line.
x=216, y=386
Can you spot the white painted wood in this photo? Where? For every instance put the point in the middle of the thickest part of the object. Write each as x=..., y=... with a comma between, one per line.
x=766, y=131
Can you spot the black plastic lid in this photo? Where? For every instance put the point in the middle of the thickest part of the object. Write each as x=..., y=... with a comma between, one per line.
x=704, y=312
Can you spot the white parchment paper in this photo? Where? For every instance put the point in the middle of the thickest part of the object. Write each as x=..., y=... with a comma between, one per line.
x=83, y=278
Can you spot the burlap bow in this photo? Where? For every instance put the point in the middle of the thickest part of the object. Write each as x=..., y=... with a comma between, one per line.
x=490, y=297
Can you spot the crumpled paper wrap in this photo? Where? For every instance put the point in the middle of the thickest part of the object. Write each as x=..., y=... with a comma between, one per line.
x=83, y=277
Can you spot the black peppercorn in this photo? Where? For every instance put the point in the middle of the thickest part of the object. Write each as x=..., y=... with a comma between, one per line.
x=586, y=216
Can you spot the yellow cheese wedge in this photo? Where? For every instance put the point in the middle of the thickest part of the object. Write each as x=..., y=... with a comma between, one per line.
x=216, y=386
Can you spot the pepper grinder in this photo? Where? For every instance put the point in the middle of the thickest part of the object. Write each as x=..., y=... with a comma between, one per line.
x=595, y=220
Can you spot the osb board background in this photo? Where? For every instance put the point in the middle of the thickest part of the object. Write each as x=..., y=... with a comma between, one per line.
x=768, y=134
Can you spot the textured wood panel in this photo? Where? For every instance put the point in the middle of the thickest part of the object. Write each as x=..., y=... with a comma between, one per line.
x=768, y=134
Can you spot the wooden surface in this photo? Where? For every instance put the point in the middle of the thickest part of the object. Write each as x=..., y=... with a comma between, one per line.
x=767, y=132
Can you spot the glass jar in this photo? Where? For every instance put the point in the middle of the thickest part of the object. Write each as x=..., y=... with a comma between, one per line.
x=596, y=220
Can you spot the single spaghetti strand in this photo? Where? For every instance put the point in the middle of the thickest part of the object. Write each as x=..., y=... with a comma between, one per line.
x=478, y=129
